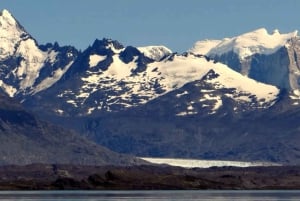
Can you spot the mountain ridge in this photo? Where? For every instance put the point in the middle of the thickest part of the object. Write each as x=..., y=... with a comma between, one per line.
x=150, y=101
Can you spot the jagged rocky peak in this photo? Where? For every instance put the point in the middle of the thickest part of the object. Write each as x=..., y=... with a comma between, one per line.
x=10, y=27
x=129, y=53
x=106, y=43
x=27, y=67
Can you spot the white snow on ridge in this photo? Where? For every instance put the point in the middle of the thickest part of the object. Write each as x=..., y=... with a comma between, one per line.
x=155, y=52
x=217, y=99
x=191, y=163
x=231, y=79
x=118, y=69
x=181, y=70
x=95, y=59
x=257, y=41
x=170, y=74
x=203, y=47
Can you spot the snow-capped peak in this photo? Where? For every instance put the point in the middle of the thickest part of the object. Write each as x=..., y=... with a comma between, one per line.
x=105, y=43
x=155, y=52
x=5, y=15
x=245, y=45
x=11, y=32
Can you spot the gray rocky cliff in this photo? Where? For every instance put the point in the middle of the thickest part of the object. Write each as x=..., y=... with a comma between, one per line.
x=280, y=68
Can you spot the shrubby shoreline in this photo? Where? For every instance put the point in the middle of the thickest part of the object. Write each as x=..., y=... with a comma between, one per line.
x=74, y=177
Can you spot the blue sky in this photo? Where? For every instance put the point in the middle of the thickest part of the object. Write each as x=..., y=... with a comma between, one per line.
x=176, y=24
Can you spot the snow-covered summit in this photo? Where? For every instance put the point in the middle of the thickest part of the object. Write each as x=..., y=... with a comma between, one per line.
x=155, y=52
x=11, y=32
x=7, y=16
x=204, y=46
x=245, y=45
x=25, y=66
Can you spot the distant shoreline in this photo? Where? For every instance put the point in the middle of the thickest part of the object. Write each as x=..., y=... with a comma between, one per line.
x=73, y=177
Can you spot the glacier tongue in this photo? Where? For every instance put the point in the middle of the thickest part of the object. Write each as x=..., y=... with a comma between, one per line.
x=193, y=163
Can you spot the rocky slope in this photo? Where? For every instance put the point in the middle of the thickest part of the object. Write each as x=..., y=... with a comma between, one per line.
x=25, y=140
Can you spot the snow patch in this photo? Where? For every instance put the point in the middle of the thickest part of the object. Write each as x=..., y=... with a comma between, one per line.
x=217, y=99
x=59, y=111
x=229, y=78
x=181, y=70
x=182, y=94
x=120, y=70
x=72, y=102
x=95, y=59
x=90, y=110
x=186, y=113
x=295, y=94
x=11, y=91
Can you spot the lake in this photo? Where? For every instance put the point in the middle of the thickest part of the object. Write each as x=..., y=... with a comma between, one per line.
x=150, y=195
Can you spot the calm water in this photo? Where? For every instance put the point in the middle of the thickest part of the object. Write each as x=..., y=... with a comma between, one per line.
x=150, y=195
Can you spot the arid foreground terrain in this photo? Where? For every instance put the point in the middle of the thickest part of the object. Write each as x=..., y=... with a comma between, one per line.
x=52, y=177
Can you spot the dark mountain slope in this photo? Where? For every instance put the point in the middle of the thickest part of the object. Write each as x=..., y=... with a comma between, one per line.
x=156, y=130
x=24, y=140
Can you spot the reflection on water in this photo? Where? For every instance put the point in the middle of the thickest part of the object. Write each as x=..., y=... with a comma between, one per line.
x=150, y=195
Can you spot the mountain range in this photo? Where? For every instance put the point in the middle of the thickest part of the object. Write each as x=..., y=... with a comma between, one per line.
x=231, y=99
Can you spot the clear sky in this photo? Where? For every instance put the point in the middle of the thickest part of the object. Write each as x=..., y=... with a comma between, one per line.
x=177, y=24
